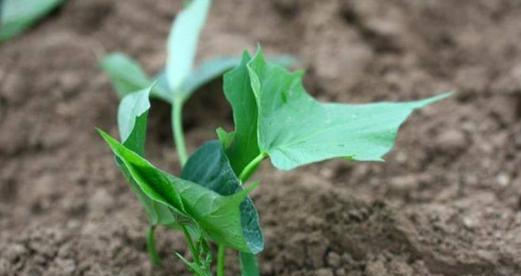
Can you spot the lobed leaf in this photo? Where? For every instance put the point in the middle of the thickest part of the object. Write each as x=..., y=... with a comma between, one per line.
x=209, y=166
x=182, y=42
x=18, y=15
x=294, y=129
x=218, y=216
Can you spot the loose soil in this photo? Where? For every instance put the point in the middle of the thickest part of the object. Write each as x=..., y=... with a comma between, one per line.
x=446, y=202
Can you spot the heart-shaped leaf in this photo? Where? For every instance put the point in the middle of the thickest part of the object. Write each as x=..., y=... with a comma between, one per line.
x=294, y=129
x=209, y=166
x=219, y=217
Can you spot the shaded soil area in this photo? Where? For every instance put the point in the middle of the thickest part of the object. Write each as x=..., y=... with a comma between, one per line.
x=446, y=202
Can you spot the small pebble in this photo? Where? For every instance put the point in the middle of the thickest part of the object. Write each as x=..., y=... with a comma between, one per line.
x=503, y=179
x=451, y=141
x=333, y=259
x=469, y=223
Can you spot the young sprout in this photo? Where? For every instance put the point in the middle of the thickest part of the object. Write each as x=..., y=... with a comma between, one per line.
x=275, y=118
x=174, y=85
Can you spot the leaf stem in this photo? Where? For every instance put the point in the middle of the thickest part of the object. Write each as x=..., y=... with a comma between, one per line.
x=177, y=126
x=151, y=246
x=249, y=264
x=221, y=256
x=248, y=171
x=193, y=249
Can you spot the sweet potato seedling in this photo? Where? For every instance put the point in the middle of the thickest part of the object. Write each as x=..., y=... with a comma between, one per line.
x=174, y=85
x=275, y=119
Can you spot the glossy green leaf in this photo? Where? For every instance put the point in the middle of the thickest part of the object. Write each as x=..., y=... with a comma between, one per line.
x=132, y=124
x=18, y=15
x=127, y=76
x=182, y=42
x=275, y=115
x=238, y=91
x=132, y=120
x=295, y=129
x=218, y=216
x=209, y=166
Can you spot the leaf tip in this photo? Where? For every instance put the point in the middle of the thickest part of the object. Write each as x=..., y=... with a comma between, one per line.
x=259, y=53
x=238, y=197
x=435, y=99
x=101, y=133
x=226, y=138
x=111, y=142
x=246, y=55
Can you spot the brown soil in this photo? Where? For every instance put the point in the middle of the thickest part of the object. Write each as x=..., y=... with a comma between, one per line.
x=446, y=202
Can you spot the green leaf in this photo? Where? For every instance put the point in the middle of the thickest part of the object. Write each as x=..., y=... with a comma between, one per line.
x=209, y=166
x=218, y=216
x=226, y=138
x=295, y=129
x=283, y=60
x=132, y=124
x=182, y=42
x=132, y=120
x=238, y=91
x=18, y=15
x=213, y=68
x=210, y=70
x=125, y=73
x=162, y=84
x=127, y=76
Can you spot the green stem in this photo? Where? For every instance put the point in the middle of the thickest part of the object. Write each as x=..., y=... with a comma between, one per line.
x=151, y=246
x=221, y=256
x=251, y=167
x=249, y=264
x=179, y=138
x=193, y=249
